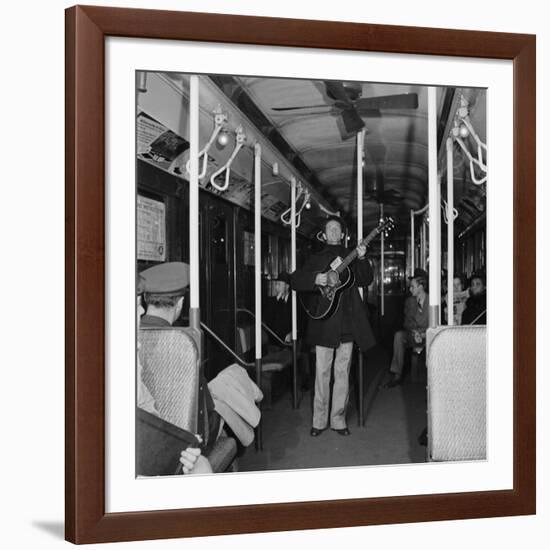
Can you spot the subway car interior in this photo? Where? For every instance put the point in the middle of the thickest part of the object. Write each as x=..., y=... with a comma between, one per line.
x=238, y=177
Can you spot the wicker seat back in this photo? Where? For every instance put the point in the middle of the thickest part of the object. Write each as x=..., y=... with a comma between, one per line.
x=456, y=362
x=170, y=360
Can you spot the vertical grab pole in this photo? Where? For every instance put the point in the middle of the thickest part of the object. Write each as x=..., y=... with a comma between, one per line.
x=434, y=211
x=258, y=272
x=423, y=246
x=412, y=243
x=194, y=308
x=293, y=295
x=450, y=233
x=381, y=264
x=360, y=148
x=194, y=311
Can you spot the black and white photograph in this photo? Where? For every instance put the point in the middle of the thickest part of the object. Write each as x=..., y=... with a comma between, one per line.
x=311, y=273
x=257, y=292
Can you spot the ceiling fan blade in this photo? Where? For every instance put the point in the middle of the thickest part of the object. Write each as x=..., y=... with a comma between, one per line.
x=352, y=121
x=297, y=108
x=399, y=101
x=369, y=113
x=312, y=113
x=336, y=90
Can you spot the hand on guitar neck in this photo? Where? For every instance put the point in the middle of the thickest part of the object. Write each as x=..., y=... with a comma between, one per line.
x=361, y=250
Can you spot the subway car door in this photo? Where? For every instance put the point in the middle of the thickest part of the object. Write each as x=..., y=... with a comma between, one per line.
x=217, y=267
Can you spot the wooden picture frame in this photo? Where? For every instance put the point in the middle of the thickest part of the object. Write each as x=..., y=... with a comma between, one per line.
x=86, y=30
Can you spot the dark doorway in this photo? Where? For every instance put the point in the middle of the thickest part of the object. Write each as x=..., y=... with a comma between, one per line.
x=217, y=285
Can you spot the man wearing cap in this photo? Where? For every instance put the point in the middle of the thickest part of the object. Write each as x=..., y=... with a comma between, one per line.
x=164, y=288
x=164, y=285
x=277, y=313
x=334, y=336
x=191, y=459
x=277, y=309
x=416, y=321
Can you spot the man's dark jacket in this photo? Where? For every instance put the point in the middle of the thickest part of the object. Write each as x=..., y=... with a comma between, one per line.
x=350, y=321
x=476, y=310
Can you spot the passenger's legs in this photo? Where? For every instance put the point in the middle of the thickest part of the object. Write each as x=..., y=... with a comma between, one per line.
x=323, y=365
x=398, y=359
x=340, y=392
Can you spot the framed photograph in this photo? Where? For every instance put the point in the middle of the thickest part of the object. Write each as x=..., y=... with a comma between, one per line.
x=300, y=274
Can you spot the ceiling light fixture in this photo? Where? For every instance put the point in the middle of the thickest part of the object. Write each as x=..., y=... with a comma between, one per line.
x=223, y=138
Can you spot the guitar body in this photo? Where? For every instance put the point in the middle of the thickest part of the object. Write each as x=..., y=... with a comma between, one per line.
x=328, y=297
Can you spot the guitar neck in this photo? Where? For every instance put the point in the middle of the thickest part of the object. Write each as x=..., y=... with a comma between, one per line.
x=353, y=254
x=347, y=260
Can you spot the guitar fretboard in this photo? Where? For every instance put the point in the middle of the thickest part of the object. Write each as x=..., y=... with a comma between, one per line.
x=353, y=254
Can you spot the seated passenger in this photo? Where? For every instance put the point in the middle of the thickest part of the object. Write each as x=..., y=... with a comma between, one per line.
x=443, y=288
x=459, y=300
x=191, y=458
x=416, y=321
x=277, y=314
x=278, y=308
x=476, y=305
x=164, y=288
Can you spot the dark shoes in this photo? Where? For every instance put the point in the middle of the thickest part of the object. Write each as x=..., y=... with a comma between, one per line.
x=342, y=431
x=314, y=432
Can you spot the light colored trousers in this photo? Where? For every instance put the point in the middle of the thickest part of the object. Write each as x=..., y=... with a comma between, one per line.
x=398, y=358
x=340, y=390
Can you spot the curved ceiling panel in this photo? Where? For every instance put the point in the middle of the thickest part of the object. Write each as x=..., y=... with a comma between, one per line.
x=309, y=115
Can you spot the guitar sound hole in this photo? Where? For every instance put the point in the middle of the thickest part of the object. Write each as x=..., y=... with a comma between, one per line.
x=333, y=278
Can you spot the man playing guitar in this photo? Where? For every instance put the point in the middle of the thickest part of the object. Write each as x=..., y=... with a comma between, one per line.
x=333, y=335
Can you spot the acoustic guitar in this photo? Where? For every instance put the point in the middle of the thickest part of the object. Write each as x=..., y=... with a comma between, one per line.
x=340, y=276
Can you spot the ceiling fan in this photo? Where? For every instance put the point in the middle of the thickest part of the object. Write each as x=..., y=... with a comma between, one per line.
x=352, y=107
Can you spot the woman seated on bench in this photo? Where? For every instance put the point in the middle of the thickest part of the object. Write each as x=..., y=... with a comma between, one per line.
x=475, y=312
x=416, y=321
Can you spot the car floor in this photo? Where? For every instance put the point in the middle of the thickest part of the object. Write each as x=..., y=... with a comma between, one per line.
x=393, y=420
